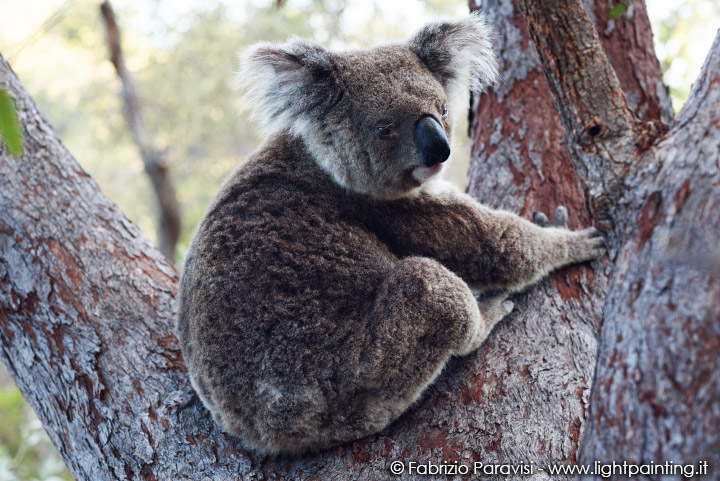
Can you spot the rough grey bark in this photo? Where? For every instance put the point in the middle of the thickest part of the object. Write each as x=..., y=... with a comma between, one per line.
x=521, y=162
x=154, y=159
x=618, y=173
x=87, y=307
x=657, y=385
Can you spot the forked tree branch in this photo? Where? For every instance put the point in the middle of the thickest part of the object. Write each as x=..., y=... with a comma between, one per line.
x=656, y=394
x=602, y=132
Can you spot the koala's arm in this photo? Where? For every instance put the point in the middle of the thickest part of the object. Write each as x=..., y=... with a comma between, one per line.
x=489, y=249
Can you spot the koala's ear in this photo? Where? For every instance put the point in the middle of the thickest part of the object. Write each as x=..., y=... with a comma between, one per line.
x=459, y=53
x=286, y=85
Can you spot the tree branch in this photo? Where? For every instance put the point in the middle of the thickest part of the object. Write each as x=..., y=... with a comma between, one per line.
x=627, y=41
x=154, y=160
x=603, y=134
x=656, y=395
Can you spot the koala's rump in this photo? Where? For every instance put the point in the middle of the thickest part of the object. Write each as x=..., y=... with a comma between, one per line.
x=276, y=294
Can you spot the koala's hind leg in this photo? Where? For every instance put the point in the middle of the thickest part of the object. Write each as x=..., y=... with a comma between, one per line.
x=423, y=314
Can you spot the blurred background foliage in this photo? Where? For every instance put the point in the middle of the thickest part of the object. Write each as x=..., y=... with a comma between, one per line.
x=183, y=54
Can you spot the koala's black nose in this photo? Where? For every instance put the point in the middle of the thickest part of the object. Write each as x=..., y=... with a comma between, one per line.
x=432, y=141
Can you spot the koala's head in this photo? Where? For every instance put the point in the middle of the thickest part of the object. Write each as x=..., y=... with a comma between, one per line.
x=379, y=121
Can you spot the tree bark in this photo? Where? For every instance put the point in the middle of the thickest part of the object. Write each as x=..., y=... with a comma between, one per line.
x=154, y=160
x=657, y=384
x=87, y=305
x=608, y=178
x=521, y=162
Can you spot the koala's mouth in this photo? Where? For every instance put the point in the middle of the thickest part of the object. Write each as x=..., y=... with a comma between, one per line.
x=421, y=173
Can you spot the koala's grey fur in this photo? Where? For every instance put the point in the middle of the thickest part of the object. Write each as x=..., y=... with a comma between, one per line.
x=329, y=281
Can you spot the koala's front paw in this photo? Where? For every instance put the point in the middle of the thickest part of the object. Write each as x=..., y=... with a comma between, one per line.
x=583, y=245
x=586, y=245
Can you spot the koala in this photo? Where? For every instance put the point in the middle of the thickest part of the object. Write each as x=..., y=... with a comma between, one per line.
x=332, y=277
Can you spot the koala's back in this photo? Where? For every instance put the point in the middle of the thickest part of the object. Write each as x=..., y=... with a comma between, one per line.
x=272, y=307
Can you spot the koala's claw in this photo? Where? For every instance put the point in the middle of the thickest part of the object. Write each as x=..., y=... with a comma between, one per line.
x=561, y=217
x=540, y=219
x=495, y=308
x=507, y=306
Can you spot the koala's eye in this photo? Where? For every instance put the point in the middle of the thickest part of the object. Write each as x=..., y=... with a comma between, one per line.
x=386, y=131
x=444, y=113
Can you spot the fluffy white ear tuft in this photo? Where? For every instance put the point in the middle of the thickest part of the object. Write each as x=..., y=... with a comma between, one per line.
x=459, y=53
x=286, y=85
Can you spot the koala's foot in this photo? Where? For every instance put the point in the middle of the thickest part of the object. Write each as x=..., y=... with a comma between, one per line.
x=582, y=245
x=492, y=310
x=495, y=308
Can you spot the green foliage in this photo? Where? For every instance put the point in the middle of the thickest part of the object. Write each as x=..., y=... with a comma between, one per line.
x=618, y=9
x=26, y=452
x=683, y=36
x=10, y=131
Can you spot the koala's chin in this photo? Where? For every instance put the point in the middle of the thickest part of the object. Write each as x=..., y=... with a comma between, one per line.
x=424, y=173
x=318, y=298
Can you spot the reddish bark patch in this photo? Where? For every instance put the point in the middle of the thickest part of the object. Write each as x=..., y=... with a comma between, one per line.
x=195, y=439
x=128, y=472
x=496, y=441
x=451, y=454
x=168, y=341
x=148, y=265
x=649, y=218
x=68, y=295
x=432, y=439
x=649, y=397
x=5, y=326
x=57, y=336
x=682, y=195
x=138, y=387
x=568, y=282
x=551, y=181
x=474, y=392
x=465, y=394
x=629, y=47
x=25, y=323
x=518, y=176
x=147, y=474
x=361, y=451
x=72, y=268
x=575, y=434
x=174, y=361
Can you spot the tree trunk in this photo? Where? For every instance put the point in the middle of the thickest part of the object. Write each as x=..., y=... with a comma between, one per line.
x=87, y=304
x=521, y=162
x=154, y=160
x=656, y=395
x=657, y=391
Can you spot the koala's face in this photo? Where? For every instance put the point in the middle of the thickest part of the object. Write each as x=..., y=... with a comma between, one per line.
x=390, y=131
x=378, y=121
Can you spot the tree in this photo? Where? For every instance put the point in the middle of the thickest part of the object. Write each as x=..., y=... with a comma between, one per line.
x=87, y=304
x=154, y=159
